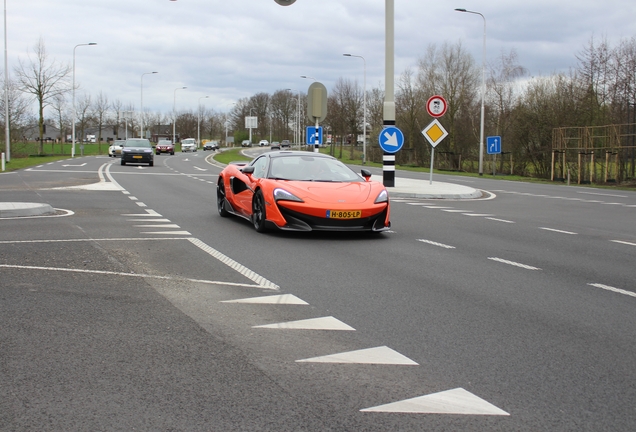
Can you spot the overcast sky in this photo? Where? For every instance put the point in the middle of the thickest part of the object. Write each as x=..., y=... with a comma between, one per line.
x=231, y=49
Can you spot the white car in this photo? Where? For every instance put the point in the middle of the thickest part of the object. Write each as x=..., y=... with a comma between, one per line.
x=115, y=149
x=189, y=144
x=263, y=143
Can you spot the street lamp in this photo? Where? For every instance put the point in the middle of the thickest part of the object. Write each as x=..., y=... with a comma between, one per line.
x=483, y=94
x=7, y=134
x=74, y=110
x=199, y=120
x=364, y=121
x=226, y=124
x=141, y=111
x=174, y=114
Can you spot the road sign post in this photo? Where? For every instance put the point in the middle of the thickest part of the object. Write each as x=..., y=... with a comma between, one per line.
x=434, y=134
x=317, y=107
x=391, y=140
x=493, y=146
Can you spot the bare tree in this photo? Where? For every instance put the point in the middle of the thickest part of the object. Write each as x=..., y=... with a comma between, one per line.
x=84, y=117
x=60, y=109
x=18, y=111
x=100, y=112
x=43, y=79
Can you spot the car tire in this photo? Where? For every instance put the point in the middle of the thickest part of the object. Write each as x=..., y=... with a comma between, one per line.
x=258, y=212
x=151, y=163
x=123, y=162
x=220, y=199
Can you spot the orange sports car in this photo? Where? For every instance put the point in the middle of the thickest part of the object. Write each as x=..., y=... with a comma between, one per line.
x=302, y=191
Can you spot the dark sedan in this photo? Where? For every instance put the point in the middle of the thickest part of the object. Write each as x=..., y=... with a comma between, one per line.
x=137, y=150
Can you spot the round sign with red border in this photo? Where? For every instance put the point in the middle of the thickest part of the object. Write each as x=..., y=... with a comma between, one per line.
x=436, y=106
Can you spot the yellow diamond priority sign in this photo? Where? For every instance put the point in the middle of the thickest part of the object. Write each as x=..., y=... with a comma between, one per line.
x=434, y=132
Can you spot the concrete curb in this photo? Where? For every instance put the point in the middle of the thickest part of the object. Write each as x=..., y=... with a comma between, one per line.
x=16, y=209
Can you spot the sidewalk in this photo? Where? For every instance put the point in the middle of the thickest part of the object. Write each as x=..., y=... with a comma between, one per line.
x=412, y=188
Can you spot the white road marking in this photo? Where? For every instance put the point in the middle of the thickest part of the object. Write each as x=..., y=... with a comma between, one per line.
x=436, y=207
x=324, y=323
x=457, y=211
x=500, y=220
x=512, y=263
x=140, y=204
x=611, y=288
x=149, y=212
x=200, y=169
x=184, y=233
x=159, y=226
x=624, y=242
x=603, y=194
x=139, y=275
x=436, y=243
x=379, y=355
x=134, y=198
x=148, y=220
x=558, y=231
x=234, y=265
x=456, y=401
x=477, y=214
x=283, y=299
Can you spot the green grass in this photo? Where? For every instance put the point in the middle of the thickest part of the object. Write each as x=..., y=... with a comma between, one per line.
x=231, y=155
x=27, y=162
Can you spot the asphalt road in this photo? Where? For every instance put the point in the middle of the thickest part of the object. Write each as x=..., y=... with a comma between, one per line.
x=138, y=307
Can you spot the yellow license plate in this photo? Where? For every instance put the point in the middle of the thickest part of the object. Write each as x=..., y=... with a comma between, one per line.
x=137, y=157
x=344, y=214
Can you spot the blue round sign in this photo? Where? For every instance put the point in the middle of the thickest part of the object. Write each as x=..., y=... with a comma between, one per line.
x=391, y=139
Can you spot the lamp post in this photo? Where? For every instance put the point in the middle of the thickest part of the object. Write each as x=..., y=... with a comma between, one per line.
x=141, y=110
x=74, y=109
x=226, y=124
x=174, y=114
x=364, y=120
x=199, y=120
x=7, y=134
x=299, y=115
x=483, y=93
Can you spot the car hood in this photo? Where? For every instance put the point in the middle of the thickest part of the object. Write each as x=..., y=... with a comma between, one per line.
x=329, y=192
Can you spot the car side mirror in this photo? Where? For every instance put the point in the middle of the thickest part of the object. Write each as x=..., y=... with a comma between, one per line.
x=249, y=170
x=366, y=174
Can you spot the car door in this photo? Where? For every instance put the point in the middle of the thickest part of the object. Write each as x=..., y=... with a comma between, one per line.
x=245, y=185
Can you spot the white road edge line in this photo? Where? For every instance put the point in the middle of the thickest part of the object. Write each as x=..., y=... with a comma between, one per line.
x=499, y=220
x=623, y=242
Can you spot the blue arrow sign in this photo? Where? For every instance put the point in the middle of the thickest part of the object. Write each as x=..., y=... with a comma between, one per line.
x=493, y=144
x=311, y=135
x=391, y=139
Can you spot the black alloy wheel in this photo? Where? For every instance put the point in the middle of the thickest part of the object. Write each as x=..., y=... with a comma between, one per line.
x=220, y=199
x=258, y=212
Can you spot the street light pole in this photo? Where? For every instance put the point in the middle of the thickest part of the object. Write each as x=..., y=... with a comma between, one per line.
x=199, y=120
x=7, y=134
x=388, y=159
x=364, y=120
x=299, y=115
x=174, y=114
x=141, y=109
x=74, y=109
x=483, y=94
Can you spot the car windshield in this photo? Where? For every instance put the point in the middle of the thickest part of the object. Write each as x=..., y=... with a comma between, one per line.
x=311, y=168
x=138, y=143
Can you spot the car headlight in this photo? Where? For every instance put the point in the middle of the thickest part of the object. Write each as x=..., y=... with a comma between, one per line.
x=383, y=197
x=283, y=195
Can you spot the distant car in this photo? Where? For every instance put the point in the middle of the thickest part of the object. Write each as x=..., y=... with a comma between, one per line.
x=164, y=146
x=275, y=145
x=246, y=143
x=115, y=149
x=285, y=144
x=211, y=145
x=189, y=144
x=263, y=143
x=137, y=150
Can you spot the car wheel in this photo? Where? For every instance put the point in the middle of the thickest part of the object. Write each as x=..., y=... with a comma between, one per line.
x=151, y=163
x=220, y=199
x=258, y=212
x=123, y=162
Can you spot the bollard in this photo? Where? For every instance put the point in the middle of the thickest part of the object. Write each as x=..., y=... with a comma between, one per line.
x=2, y=161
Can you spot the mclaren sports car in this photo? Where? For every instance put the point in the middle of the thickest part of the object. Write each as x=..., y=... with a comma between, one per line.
x=302, y=191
